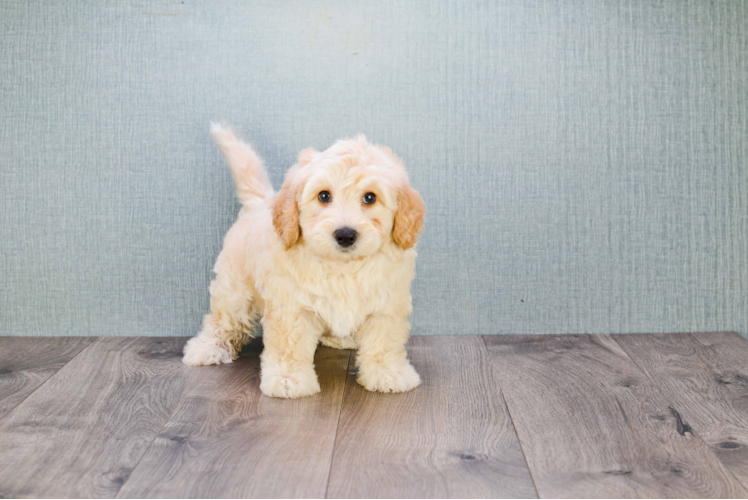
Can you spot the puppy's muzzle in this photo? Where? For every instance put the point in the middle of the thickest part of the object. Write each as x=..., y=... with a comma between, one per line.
x=345, y=236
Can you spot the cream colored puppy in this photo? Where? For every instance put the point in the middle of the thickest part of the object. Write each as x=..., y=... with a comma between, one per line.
x=328, y=259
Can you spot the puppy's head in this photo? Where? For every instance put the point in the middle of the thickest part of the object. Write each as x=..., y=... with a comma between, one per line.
x=348, y=201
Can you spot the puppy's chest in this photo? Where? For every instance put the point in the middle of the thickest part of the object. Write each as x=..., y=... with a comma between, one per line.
x=344, y=301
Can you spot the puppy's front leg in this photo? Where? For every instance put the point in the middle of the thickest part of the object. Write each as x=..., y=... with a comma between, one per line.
x=287, y=362
x=381, y=359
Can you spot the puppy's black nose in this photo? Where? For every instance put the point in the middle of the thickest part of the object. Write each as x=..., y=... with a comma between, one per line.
x=345, y=236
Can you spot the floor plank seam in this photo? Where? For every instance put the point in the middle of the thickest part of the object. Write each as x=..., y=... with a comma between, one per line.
x=337, y=427
x=521, y=448
x=511, y=418
x=93, y=341
x=674, y=409
x=184, y=394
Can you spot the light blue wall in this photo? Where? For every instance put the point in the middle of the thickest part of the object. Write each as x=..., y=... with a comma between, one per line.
x=583, y=162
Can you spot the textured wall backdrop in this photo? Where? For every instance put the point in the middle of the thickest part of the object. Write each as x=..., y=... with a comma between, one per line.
x=583, y=161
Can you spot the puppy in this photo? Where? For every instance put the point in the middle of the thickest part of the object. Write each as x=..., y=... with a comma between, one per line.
x=330, y=259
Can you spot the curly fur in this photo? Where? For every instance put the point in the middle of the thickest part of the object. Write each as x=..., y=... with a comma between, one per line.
x=280, y=263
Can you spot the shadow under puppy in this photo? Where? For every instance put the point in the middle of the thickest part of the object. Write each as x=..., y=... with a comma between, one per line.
x=330, y=259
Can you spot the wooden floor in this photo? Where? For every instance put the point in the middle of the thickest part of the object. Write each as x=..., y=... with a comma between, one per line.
x=501, y=416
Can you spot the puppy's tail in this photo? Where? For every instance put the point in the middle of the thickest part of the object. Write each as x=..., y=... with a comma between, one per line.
x=248, y=170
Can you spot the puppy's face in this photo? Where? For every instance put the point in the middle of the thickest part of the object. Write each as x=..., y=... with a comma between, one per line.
x=347, y=202
x=346, y=211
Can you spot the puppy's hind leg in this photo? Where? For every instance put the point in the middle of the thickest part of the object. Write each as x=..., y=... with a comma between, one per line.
x=228, y=326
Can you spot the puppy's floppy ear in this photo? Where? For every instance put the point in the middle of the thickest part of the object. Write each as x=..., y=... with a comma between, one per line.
x=286, y=205
x=286, y=213
x=409, y=217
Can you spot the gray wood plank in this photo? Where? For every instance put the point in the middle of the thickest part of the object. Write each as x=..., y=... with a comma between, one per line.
x=451, y=437
x=704, y=375
x=82, y=432
x=27, y=362
x=592, y=424
x=227, y=440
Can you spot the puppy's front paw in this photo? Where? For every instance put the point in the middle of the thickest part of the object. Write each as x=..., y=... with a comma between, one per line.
x=288, y=384
x=203, y=350
x=382, y=378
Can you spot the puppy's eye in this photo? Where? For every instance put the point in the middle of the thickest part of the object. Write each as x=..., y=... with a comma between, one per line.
x=370, y=198
x=324, y=196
